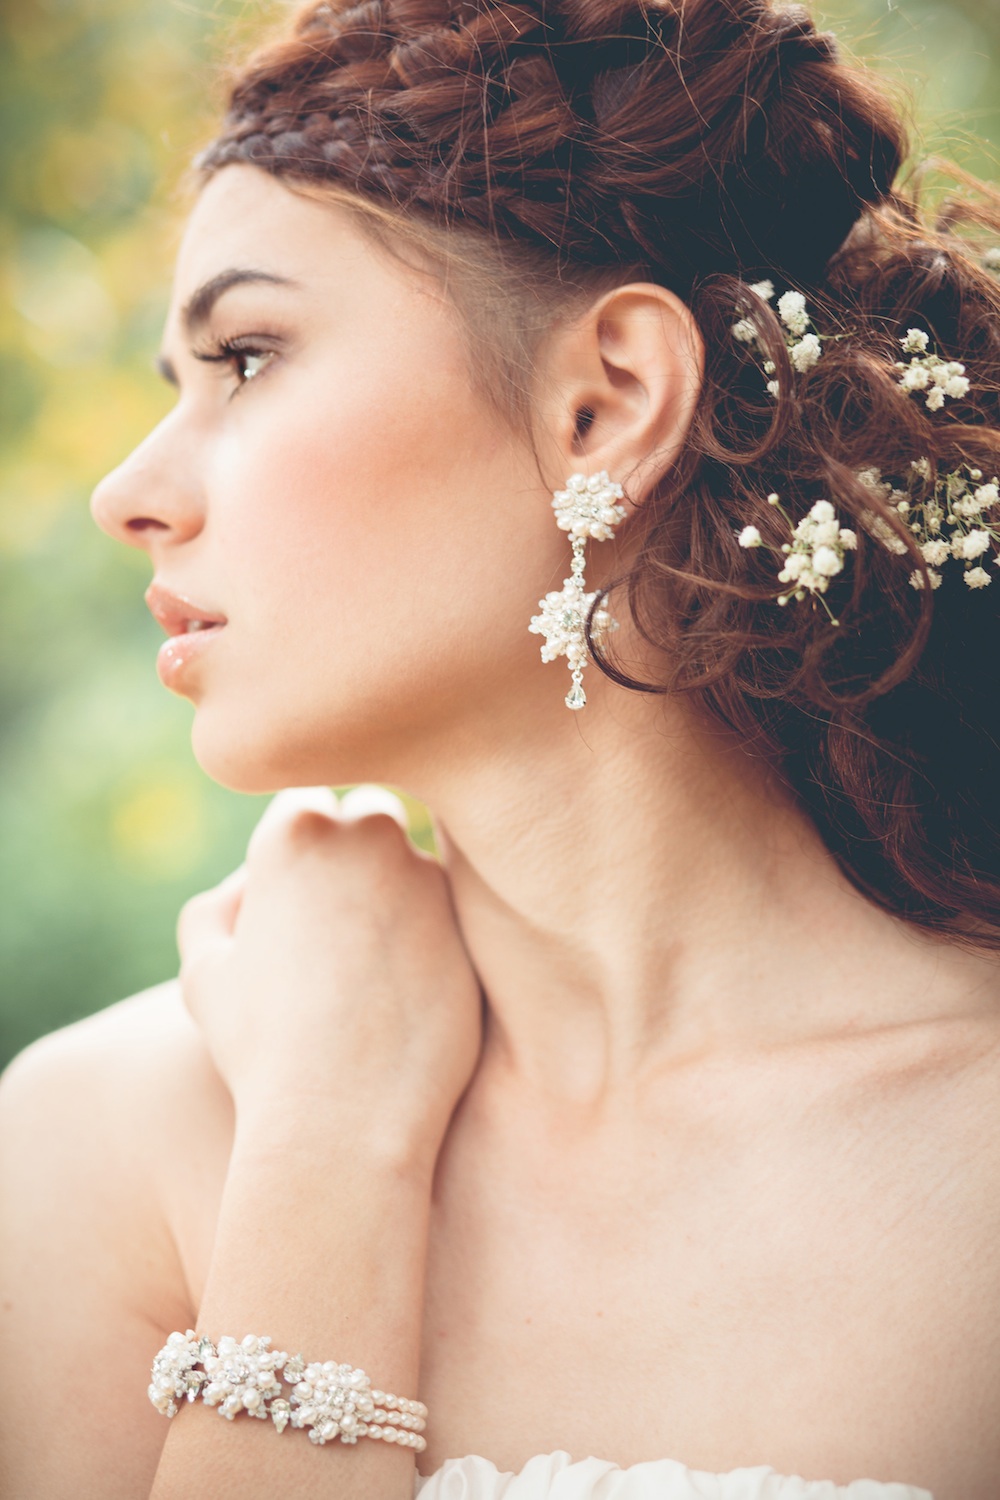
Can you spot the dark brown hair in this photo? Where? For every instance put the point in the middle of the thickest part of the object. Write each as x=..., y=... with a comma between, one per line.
x=706, y=145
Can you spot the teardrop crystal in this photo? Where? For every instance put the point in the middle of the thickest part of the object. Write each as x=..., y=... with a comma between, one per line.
x=576, y=697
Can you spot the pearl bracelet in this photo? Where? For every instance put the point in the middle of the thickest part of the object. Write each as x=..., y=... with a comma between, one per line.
x=330, y=1400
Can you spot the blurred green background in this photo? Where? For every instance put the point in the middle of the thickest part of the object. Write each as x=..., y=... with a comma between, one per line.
x=107, y=824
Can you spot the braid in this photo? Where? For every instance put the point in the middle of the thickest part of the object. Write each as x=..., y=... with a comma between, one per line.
x=614, y=133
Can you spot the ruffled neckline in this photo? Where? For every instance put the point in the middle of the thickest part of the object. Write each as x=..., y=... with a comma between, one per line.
x=556, y=1476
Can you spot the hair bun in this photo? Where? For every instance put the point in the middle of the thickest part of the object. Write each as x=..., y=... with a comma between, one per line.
x=793, y=30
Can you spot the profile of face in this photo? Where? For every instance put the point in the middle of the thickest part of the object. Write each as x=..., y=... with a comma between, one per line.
x=341, y=491
x=374, y=533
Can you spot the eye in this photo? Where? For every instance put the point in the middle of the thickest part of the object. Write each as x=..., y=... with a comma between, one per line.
x=244, y=356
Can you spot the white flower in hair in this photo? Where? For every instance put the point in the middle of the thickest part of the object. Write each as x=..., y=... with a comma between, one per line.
x=806, y=353
x=991, y=260
x=792, y=312
x=804, y=347
x=977, y=578
x=940, y=378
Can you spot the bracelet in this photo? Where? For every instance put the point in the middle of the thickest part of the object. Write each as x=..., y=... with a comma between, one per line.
x=329, y=1399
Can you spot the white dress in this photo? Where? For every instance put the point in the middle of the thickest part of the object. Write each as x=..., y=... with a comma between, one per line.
x=555, y=1476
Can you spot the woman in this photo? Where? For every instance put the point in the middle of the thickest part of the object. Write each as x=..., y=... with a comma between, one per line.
x=649, y=1139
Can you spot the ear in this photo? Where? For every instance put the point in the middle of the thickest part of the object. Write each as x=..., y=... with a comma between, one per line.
x=619, y=387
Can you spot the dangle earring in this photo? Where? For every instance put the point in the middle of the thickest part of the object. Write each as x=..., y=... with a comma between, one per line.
x=585, y=508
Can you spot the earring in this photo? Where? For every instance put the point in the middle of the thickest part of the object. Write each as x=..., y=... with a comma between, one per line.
x=585, y=508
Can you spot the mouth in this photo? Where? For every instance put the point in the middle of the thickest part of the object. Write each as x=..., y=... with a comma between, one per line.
x=189, y=627
x=179, y=614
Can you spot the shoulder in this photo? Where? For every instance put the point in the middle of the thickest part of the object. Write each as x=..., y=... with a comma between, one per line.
x=105, y=1126
x=148, y=1039
x=128, y=1097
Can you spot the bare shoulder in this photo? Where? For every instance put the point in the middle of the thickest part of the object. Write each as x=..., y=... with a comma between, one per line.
x=148, y=1038
x=99, y=1125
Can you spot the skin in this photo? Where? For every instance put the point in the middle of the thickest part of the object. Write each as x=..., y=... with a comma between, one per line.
x=701, y=1147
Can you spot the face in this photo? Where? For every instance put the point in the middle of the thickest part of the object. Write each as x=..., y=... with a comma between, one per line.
x=338, y=491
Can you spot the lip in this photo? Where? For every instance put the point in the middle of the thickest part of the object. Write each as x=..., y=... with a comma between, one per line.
x=176, y=613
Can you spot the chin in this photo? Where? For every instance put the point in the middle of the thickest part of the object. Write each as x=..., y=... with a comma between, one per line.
x=248, y=757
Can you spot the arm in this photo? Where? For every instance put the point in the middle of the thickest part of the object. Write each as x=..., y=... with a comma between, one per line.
x=322, y=1245
x=330, y=984
x=90, y=1279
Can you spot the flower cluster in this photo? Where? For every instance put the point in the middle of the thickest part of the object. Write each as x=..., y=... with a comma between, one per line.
x=802, y=341
x=928, y=372
x=813, y=556
x=952, y=516
x=991, y=260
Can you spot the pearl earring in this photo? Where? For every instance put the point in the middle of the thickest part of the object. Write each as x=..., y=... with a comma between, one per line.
x=585, y=508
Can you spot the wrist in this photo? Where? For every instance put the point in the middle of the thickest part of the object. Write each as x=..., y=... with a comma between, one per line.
x=317, y=1131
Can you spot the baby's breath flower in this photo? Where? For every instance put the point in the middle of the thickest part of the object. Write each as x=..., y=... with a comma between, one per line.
x=977, y=578
x=975, y=543
x=880, y=529
x=827, y=562
x=792, y=312
x=915, y=342
x=921, y=467
x=940, y=378
x=805, y=355
x=750, y=537
x=936, y=552
x=917, y=579
x=991, y=260
x=805, y=348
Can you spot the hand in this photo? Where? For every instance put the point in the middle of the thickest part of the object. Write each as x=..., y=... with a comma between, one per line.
x=328, y=976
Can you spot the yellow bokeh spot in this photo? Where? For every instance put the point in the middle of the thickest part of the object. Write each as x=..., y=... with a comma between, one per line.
x=158, y=829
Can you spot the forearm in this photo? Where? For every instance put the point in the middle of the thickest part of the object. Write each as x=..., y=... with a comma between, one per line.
x=321, y=1243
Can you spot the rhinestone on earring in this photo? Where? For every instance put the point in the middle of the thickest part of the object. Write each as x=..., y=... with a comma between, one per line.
x=586, y=508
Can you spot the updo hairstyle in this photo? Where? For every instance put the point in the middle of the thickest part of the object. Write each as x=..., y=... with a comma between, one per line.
x=546, y=150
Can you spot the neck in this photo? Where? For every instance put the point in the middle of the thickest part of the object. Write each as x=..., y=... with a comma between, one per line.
x=637, y=892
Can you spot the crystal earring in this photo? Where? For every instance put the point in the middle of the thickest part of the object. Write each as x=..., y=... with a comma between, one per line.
x=585, y=508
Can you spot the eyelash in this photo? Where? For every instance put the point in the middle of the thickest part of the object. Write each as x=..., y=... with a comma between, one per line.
x=230, y=352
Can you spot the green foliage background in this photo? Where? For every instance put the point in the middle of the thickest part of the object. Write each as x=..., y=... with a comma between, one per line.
x=107, y=824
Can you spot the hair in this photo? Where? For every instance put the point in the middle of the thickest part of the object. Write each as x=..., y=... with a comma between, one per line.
x=561, y=146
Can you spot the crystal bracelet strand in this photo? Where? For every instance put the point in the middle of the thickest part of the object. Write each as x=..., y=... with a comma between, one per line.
x=330, y=1400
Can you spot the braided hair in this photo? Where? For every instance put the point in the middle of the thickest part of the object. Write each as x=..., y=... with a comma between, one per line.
x=705, y=145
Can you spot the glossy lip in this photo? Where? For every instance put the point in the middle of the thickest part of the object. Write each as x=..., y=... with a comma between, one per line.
x=175, y=612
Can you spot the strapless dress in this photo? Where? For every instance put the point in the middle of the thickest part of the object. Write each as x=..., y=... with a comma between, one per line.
x=555, y=1476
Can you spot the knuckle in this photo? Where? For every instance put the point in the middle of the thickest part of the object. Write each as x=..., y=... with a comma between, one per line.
x=287, y=831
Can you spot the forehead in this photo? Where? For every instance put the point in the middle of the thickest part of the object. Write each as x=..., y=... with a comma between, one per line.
x=245, y=217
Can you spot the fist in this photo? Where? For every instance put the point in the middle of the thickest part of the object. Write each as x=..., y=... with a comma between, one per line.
x=328, y=975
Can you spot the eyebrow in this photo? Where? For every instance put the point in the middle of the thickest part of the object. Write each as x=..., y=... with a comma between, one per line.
x=197, y=309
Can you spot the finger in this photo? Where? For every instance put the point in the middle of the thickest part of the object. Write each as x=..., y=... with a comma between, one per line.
x=369, y=798
x=211, y=914
x=288, y=801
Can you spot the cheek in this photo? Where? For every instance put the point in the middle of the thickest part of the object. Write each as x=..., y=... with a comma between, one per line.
x=362, y=517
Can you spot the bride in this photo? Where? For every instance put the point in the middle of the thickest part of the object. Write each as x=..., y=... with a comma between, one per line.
x=578, y=427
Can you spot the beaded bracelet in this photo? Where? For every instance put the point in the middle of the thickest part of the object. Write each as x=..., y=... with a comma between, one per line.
x=329, y=1399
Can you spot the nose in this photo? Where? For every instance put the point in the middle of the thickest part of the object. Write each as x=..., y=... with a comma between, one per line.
x=152, y=495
